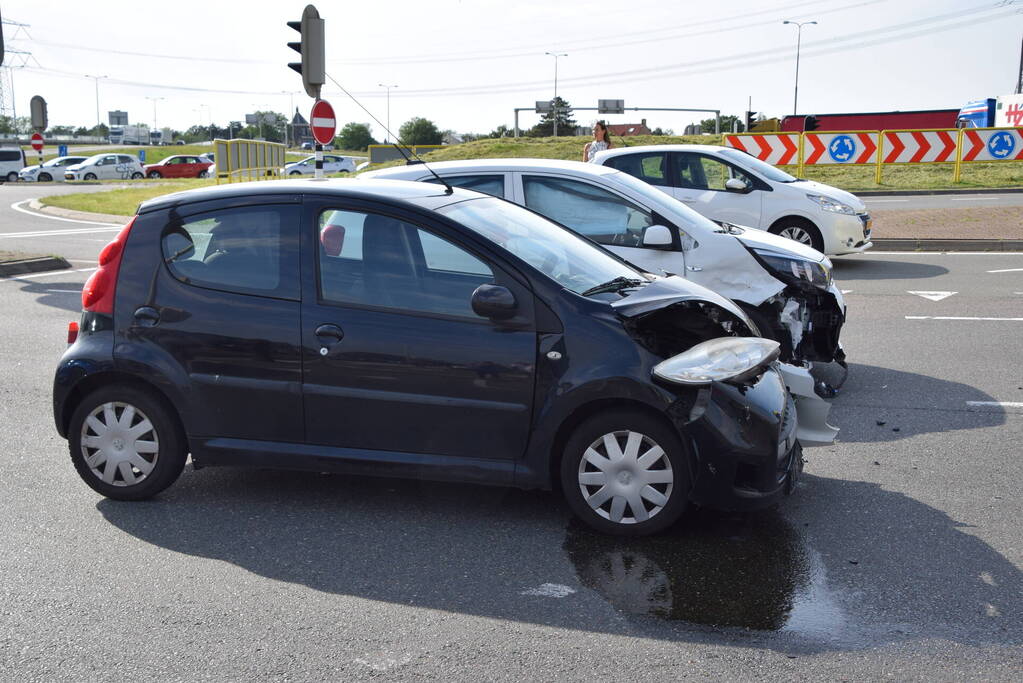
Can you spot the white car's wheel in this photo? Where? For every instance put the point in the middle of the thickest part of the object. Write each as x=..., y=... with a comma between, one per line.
x=12, y=177
x=89, y=176
x=799, y=230
x=295, y=173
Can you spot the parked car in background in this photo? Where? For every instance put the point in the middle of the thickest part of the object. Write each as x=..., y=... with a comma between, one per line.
x=52, y=170
x=12, y=160
x=332, y=163
x=727, y=185
x=292, y=323
x=179, y=166
x=106, y=167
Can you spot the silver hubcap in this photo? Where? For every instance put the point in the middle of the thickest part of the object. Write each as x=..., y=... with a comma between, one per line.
x=625, y=477
x=119, y=444
x=798, y=234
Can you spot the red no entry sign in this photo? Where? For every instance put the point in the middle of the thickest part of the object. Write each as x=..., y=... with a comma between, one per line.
x=322, y=122
x=37, y=142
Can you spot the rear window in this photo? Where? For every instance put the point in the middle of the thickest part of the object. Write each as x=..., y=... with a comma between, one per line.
x=10, y=155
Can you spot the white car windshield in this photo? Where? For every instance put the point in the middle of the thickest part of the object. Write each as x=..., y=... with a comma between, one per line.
x=572, y=261
x=757, y=166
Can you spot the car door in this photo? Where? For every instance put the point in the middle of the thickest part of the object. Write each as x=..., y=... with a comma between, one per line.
x=218, y=311
x=394, y=358
x=604, y=216
x=105, y=168
x=700, y=182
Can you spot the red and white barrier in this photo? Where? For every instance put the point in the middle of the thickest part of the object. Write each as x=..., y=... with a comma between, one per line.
x=839, y=148
x=780, y=149
x=993, y=144
x=919, y=146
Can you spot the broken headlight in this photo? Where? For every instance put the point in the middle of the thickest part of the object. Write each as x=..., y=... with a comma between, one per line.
x=732, y=359
x=791, y=270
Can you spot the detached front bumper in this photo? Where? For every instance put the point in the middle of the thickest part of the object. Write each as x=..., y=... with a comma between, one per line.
x=745, y=442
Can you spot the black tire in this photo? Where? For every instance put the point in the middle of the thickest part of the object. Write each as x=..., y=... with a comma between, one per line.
x=45, y=177
x=618, y=423
x=155, y=174
x=12, y=177
x=89, y=176
x=170, y=446
x=202, y=174
x=793, y=225
x=295, y=173
x=137, y=176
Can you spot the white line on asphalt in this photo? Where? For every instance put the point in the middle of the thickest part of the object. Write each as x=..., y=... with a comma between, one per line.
x=16, y=206
x=63, y=291
x=18, y=278
x=998, y=404
x=974, y=199
x=878, y=201
x=57, y=233
x=1006, y=270
x=957, y=317
x=81, y=260
x=940, y=253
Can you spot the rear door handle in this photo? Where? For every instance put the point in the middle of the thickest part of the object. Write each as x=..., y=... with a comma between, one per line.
x=146, y=316
x=329, y=334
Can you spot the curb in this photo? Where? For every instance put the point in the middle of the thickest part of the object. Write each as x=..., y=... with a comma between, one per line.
x=924, y=244
x=917, y=193
x=39, y=207
x=33, y=265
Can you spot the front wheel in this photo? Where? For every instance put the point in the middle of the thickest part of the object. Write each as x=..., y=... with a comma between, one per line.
x=125, y=444
x=799, y=230
x=45, y=177
x=12, y=177
x=295, y=173
x=202, y=174
x=137, y=176
x=89, y=176
x=626, y=473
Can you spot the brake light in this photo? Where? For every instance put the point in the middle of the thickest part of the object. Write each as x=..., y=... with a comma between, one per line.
x=98, y=293
x=72, y=332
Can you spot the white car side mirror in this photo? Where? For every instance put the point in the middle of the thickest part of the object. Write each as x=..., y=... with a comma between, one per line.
x=737, y=185
x=657, y=236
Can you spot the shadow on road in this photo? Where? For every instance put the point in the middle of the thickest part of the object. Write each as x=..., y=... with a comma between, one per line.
x=851, y=269
x=506, y=554
x=64, y=295
x=904, y=403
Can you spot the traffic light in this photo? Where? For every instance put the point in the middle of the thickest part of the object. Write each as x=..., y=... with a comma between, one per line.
x=750, y=120
x=313, y=65
x=810, y=123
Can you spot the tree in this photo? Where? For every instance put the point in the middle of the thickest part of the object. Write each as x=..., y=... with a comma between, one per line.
x=355, y=136
x=501, y=131
x=707, y=125
x=566, y=124
x=419, y=131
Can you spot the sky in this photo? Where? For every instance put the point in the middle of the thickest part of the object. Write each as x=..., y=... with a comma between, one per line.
x=467, y=64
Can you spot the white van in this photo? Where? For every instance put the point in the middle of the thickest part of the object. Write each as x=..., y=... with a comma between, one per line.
x=12, y=160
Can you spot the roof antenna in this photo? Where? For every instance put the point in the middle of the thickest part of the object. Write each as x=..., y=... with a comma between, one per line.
x=447, y=188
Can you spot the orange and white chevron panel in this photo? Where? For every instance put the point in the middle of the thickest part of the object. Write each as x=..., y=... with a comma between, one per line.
x=919, y=146
x=839, y=148
x=779, y=149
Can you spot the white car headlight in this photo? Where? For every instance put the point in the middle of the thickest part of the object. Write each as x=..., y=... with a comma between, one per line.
x=734, y=359
x=832, y=205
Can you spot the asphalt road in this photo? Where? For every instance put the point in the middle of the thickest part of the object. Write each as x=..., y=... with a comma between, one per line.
x=899, y=556
x=943, y=201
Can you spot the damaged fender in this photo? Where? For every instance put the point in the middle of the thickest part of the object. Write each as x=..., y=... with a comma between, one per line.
x=811, y=410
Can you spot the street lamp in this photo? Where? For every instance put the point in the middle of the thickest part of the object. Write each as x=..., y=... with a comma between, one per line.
x=96, y=78
x=799, y=37
x=154, y=100
x=388, y=131
x=289, y=123
x=554, y=102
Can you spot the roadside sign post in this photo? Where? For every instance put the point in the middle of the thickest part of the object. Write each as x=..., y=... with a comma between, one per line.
x=62, y=150
x=323, y=124
x=37, y=145
x=142, y=156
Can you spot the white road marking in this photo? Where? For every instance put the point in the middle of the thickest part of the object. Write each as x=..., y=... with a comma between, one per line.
x=975, y=199
x=931, y=296
x=17, y=207
x=994, y=404
x=549, y=590
x=868, y=200
x=940, y=253
x=846, y=291
x=57, y=233
x=957, y=317
x=1006, y=270
x=62, y=291
x=18, y=278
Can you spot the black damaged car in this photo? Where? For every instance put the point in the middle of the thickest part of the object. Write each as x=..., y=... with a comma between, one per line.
x=411, y=330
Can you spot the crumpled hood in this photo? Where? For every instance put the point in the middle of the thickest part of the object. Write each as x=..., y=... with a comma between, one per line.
x=813, y=187
x=761, y=239
x=665, y=291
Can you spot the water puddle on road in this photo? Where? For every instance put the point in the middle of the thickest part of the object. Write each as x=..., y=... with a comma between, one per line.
x=745, y=571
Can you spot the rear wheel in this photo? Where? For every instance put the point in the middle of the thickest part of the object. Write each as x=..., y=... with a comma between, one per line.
x=625, y=473
x=155, y=174
x=295, y=173
x=12, y=177
x=125, y=444
x=137, y=175
x=89, y=176
x=799, y=230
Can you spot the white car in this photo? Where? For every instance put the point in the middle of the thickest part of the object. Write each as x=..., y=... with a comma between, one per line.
x=106, y=167
x=784, y=287
x=49, y=171
x=12, y=160
x=725, y=184
x=332, y=163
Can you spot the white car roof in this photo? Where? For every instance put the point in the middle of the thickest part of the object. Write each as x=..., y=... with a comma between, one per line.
x=706, y=149
x=489, y=166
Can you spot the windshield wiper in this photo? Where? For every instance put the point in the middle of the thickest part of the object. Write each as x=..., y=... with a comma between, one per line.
x=616, y=285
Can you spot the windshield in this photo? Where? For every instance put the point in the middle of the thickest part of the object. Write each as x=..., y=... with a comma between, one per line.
x=757, y=166
x=665, y=204
x=572, y=261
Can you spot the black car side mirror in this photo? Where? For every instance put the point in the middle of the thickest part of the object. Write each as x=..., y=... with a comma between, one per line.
x=494, y=302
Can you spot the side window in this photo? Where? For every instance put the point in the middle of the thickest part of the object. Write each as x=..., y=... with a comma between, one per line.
x=592, y=211
x=704, y=173
x=373, y=260
x=487, y=184
x=715, y=173
x=650, y=168
x=125, y=159
x=251, y=250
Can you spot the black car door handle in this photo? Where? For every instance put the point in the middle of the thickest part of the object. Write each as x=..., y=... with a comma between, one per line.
x=146, y=316
x=328, y=332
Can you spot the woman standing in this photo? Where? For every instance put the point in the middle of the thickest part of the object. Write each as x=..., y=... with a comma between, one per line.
x=601, y=141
